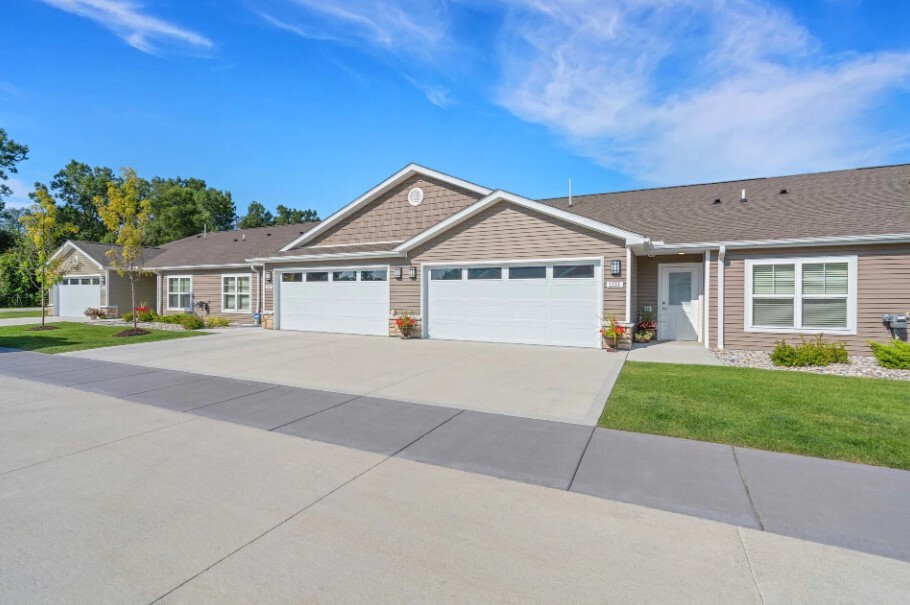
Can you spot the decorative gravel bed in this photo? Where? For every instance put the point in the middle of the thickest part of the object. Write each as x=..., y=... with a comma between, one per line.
x=866, y=367
x=148, y=325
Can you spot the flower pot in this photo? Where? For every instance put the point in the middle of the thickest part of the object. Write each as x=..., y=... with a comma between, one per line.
x=405, y=334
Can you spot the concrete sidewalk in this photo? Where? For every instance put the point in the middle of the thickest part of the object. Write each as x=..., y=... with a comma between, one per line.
x=673, y=351
x=832, y=502
x=106, y=501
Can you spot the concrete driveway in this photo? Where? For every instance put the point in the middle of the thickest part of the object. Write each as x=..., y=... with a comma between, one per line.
x=547, y=383
x=108, y=501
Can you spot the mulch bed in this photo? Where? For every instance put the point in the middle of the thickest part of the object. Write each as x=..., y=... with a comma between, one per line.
x=42, y=328
x=132, y=332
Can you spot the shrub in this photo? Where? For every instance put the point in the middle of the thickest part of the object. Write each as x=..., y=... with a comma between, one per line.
x=815, y=352
x=146, y=315
x=217, y=322
x=644, y=335
x=127, y=317
x=191, y=322
x=170, y=319
x=894, y=355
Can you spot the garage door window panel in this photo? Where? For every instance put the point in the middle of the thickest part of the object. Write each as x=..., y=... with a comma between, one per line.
x=317, y=276
x=573, y=272
x=344, y=276
x=376, y=275
x=178, y=293
x=445, y=274
x=528, y=272
x=485, y=273
x=291, y=277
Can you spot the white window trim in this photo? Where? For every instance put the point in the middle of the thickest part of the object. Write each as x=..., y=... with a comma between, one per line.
x=167, y=300
x=236, y=293
x=798, y=263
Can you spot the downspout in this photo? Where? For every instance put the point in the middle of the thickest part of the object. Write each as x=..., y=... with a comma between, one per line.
x=721, y=254
x=158, y=293
x=257, y=306
x=707, y=311
x=628, y=284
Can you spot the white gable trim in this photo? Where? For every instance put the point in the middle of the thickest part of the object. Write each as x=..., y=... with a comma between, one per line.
x=70, y=244
x=503, y=196
x=397, y=178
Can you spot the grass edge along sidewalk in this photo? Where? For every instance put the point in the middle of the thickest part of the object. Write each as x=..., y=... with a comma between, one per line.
x=71, y=336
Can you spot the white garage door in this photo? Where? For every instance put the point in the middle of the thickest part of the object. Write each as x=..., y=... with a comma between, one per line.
x=349, y=301
x=76, y=294
x=534, y=303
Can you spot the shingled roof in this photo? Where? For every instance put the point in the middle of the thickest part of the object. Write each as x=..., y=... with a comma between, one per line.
x=98, y=251
x=863, y=201
x=221, y=248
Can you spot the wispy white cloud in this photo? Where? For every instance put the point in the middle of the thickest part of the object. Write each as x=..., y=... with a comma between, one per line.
x=666, y=91
x=414, y=28
x=136, y=27
x=19, y=196
x=676, y=91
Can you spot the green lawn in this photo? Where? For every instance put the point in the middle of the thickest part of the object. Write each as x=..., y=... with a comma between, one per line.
x=13, y=313
x=855, y=419
x=76, y=337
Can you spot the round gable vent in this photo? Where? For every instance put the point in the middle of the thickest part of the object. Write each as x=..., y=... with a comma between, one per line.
x=415, y=196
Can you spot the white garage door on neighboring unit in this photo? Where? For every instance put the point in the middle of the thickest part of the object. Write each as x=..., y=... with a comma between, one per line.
x=350, y=301
x=76, y=294
x=552, y=303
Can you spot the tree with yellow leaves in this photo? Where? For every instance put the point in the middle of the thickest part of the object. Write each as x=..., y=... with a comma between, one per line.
x=42, y=234
x=126, y=215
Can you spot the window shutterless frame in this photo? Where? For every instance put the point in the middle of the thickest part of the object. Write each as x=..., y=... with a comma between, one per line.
x=799, y=297
x=183, y=291
x=232, y=296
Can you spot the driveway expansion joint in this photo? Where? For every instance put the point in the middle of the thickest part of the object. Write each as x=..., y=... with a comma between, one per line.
x=742, y=478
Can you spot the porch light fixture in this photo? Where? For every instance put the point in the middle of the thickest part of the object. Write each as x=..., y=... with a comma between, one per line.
x=268, y=276
x=397, y=272
x=412, y=272
x=615, y=267
x=681, y=253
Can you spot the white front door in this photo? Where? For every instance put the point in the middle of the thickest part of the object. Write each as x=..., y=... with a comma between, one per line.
x=550, y=303
x=353, y=300
x=76, y=294
x=678, y=292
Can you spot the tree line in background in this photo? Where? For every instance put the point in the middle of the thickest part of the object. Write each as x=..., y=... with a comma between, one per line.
x=178, y=207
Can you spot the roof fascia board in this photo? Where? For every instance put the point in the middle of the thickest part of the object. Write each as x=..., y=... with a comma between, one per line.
x=499, y=196
x=188, y=267
x=70, y=244
x=395, y=179
x=891, y=238
x=340, y=255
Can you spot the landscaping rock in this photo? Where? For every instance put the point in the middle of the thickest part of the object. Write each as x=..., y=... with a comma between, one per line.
x=864, y=367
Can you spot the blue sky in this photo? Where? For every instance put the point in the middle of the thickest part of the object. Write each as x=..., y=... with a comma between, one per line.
x=310, y=102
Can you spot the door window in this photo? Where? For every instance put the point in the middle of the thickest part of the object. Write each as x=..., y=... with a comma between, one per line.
x=680, y=287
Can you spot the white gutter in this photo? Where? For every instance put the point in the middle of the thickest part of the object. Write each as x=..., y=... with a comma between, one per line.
x=721, y=254
x=343, y=255
x=185, y=267
x=787, y=243
x=628, y=284
x=707, y=312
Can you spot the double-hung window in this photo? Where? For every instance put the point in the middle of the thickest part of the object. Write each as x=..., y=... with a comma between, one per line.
x=801, y=295
x=235, y=293
x=179, y=292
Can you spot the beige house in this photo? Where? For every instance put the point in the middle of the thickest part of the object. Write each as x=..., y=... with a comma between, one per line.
x=738, y=264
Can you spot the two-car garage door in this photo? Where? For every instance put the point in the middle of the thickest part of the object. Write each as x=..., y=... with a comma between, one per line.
x=349, y=301
x=552, y=303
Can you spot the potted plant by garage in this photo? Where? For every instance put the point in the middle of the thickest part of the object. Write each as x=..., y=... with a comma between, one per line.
x=612, y=331
x=405, y=324
x=646, y=329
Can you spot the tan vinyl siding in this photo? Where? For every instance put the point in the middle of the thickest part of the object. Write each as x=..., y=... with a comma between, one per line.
x=206, y=287
x=883, y=286
x=119, y=288
x=509, y=232
x=391, y=218
x=646, y=278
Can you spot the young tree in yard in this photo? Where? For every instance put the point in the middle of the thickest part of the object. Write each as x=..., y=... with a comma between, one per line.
x=126, y=215
x=43, y=233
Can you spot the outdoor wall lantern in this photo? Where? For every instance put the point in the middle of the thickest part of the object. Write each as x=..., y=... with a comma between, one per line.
x=615, y=267
x=412, y=272
x=268, y=276
x=397, y=272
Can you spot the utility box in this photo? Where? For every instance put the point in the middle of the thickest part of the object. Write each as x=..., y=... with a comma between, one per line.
x=895, y=321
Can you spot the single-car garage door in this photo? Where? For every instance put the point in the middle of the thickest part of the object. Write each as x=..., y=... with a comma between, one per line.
x=552, y=303
x=76, y=294
x=349, y=301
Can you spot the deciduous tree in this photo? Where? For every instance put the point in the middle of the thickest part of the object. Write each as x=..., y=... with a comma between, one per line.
x=43, y=233
x=126, y=214
x=292, y=216
x=77, y=186
x=256, y=216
